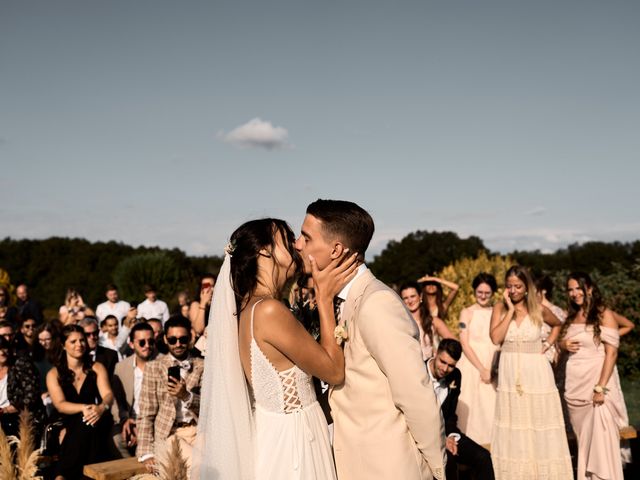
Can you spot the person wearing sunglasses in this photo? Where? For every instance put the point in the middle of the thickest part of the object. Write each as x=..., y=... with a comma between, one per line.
x=170, y=396
x=127, y=383
x=98, y=353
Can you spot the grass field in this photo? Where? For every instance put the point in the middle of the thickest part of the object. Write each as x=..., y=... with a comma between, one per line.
x=631, y=390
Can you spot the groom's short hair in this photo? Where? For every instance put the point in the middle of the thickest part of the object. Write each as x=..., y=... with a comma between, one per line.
x=344, y=221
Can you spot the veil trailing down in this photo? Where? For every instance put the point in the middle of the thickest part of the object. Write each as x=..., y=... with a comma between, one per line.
x=224, y=447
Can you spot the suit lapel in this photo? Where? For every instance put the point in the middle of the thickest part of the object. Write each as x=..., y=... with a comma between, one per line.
x=353, y=299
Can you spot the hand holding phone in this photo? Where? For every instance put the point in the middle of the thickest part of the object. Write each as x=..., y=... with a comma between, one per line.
x=174, y=372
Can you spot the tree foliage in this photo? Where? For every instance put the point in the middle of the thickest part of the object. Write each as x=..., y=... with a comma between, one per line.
x=421, y=253
x=463, y=272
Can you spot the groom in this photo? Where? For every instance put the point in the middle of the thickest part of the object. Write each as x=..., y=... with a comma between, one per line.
x=386, y=417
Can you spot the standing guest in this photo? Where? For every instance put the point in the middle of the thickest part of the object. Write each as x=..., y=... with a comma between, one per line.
x=447, y=381
x=127, y=383
x=81, y=393
x=169, y=406
x=433, y=294
x=7, y=311
x=112, y=336
x=98, y=353
x=476, y=407
x=199, y=309
x=158, y=335
x=27, y=307
x=152, y=307
x=430, y=328
x=544, y=290
x=113, y=306
x=529, y=440
x=592, y=387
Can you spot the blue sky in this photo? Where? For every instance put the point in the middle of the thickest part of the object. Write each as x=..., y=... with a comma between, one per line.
x=170, y=123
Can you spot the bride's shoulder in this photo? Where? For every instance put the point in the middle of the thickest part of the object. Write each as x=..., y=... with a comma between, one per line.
x=271, y=309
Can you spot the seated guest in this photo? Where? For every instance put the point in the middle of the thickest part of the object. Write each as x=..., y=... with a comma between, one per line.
x=26, y=338
x=27, y=307
x=98, y=353
x=8, y=312
x=45, y=354
x=158, y=334
x=152, y=307
x=81, y=393
x=127, y=383
x=169, y=406
x=446, y=379
x=19, y=389
x=7, y=331
x=74, y=308
x=199, y=309
x=112, y=336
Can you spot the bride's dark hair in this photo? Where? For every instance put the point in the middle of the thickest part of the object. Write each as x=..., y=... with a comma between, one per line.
x=246, y=243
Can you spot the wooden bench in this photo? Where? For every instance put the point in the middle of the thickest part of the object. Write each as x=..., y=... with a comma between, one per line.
x=115, y=469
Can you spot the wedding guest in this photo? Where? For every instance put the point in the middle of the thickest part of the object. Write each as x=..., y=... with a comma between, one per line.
x=158, y=335
x=127, y=384
x=184, y=303
x=528, y=440
x=447, y=381
x=169, y=407
x=81, y=393
x=152, y=307
x=112, y=336
x=98, y=353
x=199, y=309
x=592, y=386
x=113, y=306
x=74, y=308
x=26, y=338
x=476, y=406
x=7, y=311
x=7, y=331
x=433, y=295
x=22, y=389
x=27, y=307
x=431, y=328
x=45, y=354
x=544, y=290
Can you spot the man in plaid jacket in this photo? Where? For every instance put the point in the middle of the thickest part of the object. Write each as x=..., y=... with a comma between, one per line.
x=169, y=407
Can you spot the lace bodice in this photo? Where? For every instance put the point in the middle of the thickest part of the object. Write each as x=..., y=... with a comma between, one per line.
x=284, y=391
x=526, y=332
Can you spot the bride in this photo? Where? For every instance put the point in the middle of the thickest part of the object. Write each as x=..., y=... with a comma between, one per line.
x=254, y=342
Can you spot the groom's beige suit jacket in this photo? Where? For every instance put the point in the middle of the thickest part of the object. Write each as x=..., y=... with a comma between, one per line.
x=387, y=420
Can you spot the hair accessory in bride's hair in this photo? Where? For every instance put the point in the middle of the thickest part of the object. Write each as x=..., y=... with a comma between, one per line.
x=230, y=248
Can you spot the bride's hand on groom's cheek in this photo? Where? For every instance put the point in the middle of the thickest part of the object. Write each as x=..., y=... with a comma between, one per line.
x=330, y=280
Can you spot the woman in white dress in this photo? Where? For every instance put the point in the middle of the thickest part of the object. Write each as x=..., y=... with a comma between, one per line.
x=477, y=401
x=283, y=433
x=529, y=440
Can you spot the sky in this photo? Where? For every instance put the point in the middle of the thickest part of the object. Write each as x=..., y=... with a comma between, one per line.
x=156, y=122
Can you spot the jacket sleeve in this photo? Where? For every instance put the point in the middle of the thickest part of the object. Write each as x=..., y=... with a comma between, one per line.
x=390, y=335
x=149, y=406
x=121, y=407
x=450, y=416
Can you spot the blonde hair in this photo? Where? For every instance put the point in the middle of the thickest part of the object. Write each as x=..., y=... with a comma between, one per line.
x=533, y=305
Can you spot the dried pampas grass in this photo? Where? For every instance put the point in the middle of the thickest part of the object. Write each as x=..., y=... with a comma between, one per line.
x=26, y=454
x=6, y=458
x=174, y=466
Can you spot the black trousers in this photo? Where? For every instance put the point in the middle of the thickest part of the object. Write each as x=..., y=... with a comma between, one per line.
x=473, y=456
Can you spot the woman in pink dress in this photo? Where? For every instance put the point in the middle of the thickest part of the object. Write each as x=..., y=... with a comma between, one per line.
x=592, y=388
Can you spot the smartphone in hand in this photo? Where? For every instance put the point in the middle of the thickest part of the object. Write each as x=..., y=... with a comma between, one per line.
x=174, y=372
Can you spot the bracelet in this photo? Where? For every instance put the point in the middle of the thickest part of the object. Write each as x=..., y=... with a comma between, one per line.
x=600, y=389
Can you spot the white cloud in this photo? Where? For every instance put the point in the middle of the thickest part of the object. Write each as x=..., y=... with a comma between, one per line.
x=257, y=133
x=536, y=211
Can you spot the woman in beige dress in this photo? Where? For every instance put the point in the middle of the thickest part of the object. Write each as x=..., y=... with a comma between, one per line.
x=431, y=328
x=477, y=401
x=592, y=388
x=528, y=440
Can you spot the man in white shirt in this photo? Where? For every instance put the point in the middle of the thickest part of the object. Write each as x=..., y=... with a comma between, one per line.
x=152, y=307
x=113, y=306
x=446, y=380
x=112, y=336
x=127, y=384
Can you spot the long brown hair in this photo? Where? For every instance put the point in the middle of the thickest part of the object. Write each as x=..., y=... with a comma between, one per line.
x=65, y=374
x=533, y=306
x=593, y=305
x=426, y=320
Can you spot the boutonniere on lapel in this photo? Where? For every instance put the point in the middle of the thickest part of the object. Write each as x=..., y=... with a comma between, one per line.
x=341, y=334
x=452, y=385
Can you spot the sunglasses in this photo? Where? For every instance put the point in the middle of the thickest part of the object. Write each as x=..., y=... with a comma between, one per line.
x=183, y=340
x=29, y=325
x=143, y=342
x=95, y=333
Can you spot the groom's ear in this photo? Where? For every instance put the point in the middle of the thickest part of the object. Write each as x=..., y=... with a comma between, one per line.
x=338, y=249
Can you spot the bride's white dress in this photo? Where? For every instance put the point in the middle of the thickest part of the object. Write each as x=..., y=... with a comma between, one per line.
x=291, y=434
